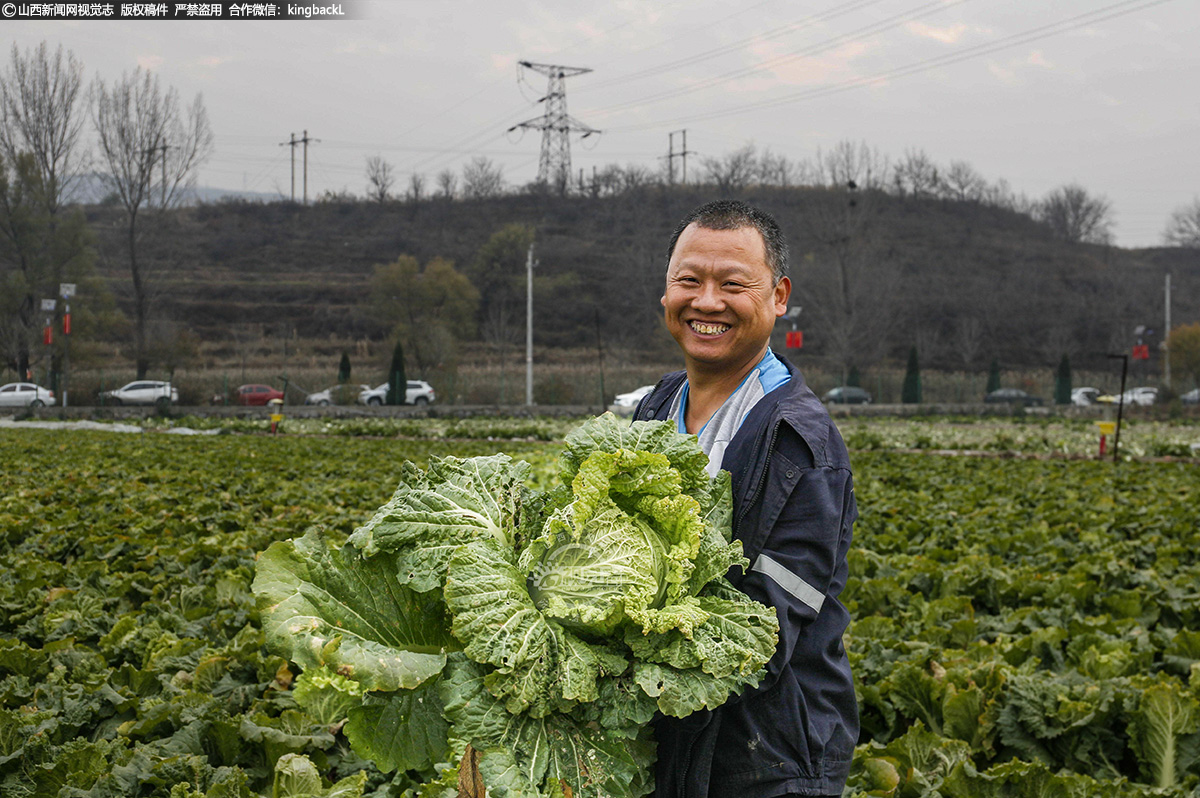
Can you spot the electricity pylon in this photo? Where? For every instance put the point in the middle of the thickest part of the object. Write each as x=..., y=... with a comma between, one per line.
x=554, y=168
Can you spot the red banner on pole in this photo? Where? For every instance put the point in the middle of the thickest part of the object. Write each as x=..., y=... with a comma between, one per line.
x=1141, y=352
x=795, y=339
x=47, y=335
x=67, y=323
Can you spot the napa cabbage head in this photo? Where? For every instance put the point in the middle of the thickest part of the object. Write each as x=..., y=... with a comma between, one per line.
x=622, y=549
x=587, y=575
x=543, y=627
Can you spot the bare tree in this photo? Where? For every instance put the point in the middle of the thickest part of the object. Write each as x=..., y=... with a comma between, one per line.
x=967, y=339
x=380, y=177
x=41, y=157
x=41, y=114
x=447, y=183
x=416, y=187
x=850, y=165
x=634, y=178
x=1001, y=195
x=776, y=170
x=482, y=179
x=961, y=182
x=733, y=171
x=851, y=294
x=916, y=175
x=930, y=342
x=145, y=136
x=1074, y=215
x=1183, y=229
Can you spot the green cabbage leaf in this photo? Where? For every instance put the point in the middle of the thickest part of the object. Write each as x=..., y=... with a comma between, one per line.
x=543, y=628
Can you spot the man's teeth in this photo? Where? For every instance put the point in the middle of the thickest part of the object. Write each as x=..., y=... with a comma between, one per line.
x=709, y=329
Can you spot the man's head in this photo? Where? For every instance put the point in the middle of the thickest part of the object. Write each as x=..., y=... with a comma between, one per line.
x=726, y=214
x=725, y=287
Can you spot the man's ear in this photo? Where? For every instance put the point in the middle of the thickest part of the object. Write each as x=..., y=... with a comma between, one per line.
x=783, y=292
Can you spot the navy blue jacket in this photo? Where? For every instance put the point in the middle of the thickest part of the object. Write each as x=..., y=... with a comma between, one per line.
x=794, y=510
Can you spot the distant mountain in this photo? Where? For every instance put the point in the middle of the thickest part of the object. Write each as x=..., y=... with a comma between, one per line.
x=210, y=194
x=91, y=190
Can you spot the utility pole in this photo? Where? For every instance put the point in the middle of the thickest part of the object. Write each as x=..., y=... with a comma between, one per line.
x=66, y=291
x=293, y=142
x=556, y=125
x=529, y=327
x=1167, y=335
x=48, y=306
x=305, y=140
x=672, y=155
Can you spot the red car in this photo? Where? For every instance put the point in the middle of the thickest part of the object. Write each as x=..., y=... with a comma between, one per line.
x=256, y=395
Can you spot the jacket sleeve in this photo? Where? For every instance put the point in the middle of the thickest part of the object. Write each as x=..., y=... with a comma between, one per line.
x=798, y=550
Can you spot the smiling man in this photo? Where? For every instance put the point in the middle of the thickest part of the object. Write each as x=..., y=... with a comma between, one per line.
x=794, y=734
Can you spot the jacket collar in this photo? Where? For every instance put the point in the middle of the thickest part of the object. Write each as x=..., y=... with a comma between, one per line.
x=792, y=402
x=656, y=404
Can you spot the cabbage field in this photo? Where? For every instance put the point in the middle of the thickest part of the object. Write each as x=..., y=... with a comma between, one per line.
x=1023, y=627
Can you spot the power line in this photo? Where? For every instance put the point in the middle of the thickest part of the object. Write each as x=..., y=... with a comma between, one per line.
x=487, y=130
x=1024, y=37
x=773, y=33
x=893, y=21
x=498, y=81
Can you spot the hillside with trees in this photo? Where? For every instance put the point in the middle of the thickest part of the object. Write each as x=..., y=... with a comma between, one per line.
x=875, y=273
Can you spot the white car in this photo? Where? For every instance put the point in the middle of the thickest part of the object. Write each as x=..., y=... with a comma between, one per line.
x=1143, y=397
x=327, y=396
x=142, y=392
x=25, y=394
x=1192, y=397
x=628, y=402
x=418, y=392
x=1084, y=397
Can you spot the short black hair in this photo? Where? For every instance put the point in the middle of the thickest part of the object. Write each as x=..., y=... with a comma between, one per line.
x=727, y=214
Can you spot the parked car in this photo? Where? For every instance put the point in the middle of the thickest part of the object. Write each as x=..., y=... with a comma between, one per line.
x=418, y=392
x=1143, y=397
x=336, y=394
x=1192, y=397
x=256, y=395
x=1013, y=396
x=847, y=395
x=1084, y=396
x=25, y=394
x=628, y=402
x=142, y=392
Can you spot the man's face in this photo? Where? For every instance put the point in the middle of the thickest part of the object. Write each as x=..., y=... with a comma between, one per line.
x=720, y=304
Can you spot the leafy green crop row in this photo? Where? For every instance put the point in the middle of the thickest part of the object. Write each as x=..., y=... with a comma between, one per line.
x=474, y=428
x=1022, y=628
x=1020, y=434
x=1042, y=611
x=1024, y=435
x=131, y=659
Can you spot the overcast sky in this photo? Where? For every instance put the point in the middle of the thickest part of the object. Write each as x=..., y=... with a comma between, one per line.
x=1038, y=92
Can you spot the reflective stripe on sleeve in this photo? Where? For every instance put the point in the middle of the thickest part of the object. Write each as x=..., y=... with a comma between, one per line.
x=789, y=581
